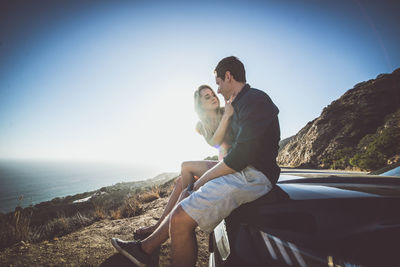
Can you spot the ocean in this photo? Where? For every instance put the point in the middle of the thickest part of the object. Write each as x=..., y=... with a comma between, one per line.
x=28, y=182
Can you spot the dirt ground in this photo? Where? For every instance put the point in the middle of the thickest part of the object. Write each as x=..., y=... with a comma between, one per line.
x=91, y=246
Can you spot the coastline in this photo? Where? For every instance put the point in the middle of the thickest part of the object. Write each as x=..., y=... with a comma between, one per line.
x=29, y=182
x=90, y=245
x=63, y=215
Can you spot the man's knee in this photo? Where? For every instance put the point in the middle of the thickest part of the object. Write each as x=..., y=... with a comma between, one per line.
x=180, y=221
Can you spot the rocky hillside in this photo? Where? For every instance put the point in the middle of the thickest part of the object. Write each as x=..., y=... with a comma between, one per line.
x=91, y=245
x=360, y=130
x=79, y=233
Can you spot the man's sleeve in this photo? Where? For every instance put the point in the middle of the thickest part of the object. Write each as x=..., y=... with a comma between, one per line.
x=254, y=119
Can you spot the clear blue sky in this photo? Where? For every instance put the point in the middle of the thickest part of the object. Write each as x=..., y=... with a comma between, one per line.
x=114, y=80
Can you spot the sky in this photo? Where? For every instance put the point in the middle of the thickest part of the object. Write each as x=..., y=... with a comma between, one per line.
x=114, y=80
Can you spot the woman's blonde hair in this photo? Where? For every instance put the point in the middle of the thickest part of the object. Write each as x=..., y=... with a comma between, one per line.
x=198, y=107
x=208, y=128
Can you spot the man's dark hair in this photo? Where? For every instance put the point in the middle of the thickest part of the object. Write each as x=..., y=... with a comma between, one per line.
x=234, y=66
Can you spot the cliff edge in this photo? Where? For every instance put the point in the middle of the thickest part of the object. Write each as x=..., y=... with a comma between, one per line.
x=359, y=130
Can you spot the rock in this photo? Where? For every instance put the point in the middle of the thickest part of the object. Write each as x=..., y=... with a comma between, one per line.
x=382, y=75
x=362, y=110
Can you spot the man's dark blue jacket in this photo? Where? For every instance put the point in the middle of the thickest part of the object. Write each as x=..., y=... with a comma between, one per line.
x=255, y=127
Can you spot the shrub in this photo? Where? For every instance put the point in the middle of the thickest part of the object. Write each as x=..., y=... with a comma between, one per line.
x=15, y=226
x=61, y=216
x=100, y=213
x=116, y=214
x=215, y=157
x=342, y=158
x=376, y=149
x=368, y=161
x=150, y=195
x=22, y=218
x=59, y=226
x=131, y=207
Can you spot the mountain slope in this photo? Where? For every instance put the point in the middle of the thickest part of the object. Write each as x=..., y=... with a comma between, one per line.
x=91, y=245
x=333, y=139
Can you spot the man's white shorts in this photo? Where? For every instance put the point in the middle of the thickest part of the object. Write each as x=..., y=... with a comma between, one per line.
x=215, y=200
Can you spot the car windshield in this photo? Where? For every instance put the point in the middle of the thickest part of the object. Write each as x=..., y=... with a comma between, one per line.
x=392, y=172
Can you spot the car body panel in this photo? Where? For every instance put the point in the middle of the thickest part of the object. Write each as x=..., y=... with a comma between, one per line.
x=321, y=221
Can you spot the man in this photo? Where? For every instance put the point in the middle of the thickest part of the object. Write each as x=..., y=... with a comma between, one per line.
x=248, y=171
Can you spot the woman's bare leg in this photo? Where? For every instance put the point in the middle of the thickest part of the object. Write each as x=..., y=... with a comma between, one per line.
x=161, y=233
x=171, y=203
x=189, y=169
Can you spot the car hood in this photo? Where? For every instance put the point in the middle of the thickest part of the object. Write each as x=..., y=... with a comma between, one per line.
x=324, y=187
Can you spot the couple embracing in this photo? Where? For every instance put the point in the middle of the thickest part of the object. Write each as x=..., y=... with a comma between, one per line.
x=247, y=134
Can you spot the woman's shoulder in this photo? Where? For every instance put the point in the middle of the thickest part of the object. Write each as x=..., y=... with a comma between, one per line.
x=203, y=130
x=200, y=128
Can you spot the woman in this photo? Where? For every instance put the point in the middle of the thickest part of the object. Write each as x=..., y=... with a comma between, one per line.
x=214, y=127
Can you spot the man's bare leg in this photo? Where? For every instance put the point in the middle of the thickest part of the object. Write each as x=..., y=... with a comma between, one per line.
x=183, y=238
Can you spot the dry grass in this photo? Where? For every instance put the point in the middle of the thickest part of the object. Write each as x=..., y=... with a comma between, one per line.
x=59, y=226
x=131, y=207
x=116, y=214
x=15, y=226
x=21, y=223
x=100, y=212
x=60, y=216
x=150, y=195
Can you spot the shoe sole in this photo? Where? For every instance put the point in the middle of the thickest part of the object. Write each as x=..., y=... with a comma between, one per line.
x=126, y=254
